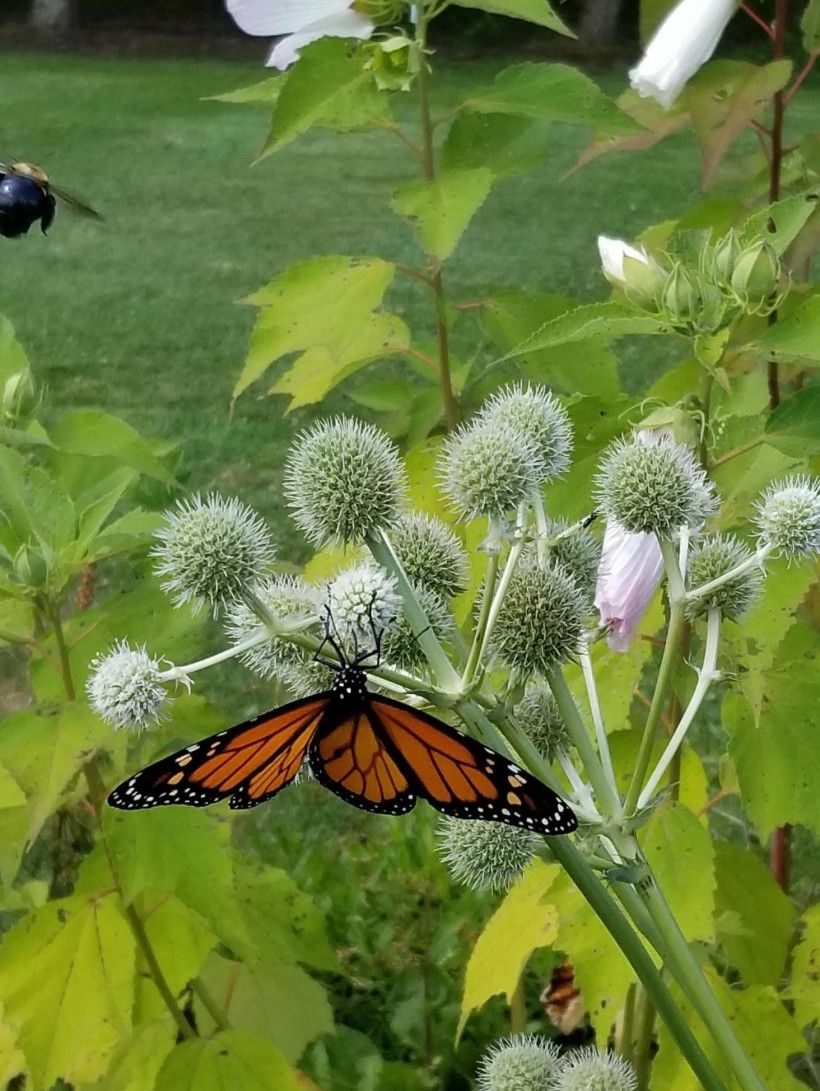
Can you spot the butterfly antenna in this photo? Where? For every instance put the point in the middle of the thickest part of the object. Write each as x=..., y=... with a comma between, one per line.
x=376, y=651
x=333, y=639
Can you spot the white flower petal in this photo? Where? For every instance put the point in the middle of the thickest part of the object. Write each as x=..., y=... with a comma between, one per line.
x=684, y=41
x=271, y=17
x=345, y=24
x=613, y=252
x=630, y=571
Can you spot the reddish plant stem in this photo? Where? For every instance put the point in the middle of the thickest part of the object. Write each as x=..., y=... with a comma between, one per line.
x=767, y=30
x=800, y=77
x=781, y=842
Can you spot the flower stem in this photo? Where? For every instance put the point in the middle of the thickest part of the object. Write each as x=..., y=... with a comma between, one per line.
x=52, y=611
x=436, y=281
x=497, y=601
x=754, y=561
x=597, y=717
x=669, y=663
x=137, y=926
x=623, y=1044
x=210, y=1005
x=706, y=676
x=474, y=658
x=644, y=1029
x=180, y=674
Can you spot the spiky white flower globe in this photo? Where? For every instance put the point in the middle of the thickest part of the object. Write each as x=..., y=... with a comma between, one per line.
x=211, y=550
x=541, y=620
x=788, y=516
x=579, y=553
x=294, y=604
x=305, y=678
x=430, y=553
x=401, y=646
x=362, y=599
x=534, y=412
x=489, y=468
x=712, y=557
x=588, y=1070
x=537, y=713
x=654, y=485
x=343, y=480
x=484, y=855
x=524, y=1062
x=124, y=687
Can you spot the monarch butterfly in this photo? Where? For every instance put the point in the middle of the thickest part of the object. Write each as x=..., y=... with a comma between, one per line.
x=371, y=751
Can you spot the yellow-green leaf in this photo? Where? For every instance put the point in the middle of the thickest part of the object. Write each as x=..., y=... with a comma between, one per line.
x=67, y=978
x=681, y=853
x=796, y=335
x=532, y=11
x=522, y=923
x=181, y=940
x=139, y=1058
x=805, y=983
x=441, y=210
x=230, y=1061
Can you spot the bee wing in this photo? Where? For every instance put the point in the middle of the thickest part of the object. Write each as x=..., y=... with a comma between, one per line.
x=75, y=202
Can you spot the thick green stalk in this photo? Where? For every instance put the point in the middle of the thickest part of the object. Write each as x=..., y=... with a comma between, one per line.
x=669, y=664
x=474, y=658
x=52, y=610
x=643, y=1031
x=623, y=1044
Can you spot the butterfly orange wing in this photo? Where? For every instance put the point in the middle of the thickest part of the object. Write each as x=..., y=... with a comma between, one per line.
x=250, y=762
x=461, y=777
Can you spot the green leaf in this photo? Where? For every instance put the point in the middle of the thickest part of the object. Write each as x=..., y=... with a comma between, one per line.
x=551, y=92
x=681, y=854
x=181, y=941
x=12, y=1061
x=794, y=426
x=810, y=26
x=318, y=304
x=757, y=942
x=723, y=98
x=804, y=989
x=583, y=367
x=780, y=223
x=67, y=977
x=95, y=434
x=226, y=1062
x=774, y=744
x=281, y=1004
x=533, y=11
x=653, y=123
x=14, y=825
x=602, y=320
x=35, y=507
x=502, y=144
x=521, y=924
x=44, y=751
x=12, y=354
x=139, y=1058
x=330, y=87
x=441, y=210
x=796, y=335
x=266, y=91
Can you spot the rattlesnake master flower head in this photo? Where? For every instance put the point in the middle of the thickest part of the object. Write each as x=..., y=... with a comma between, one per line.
x=294, y=604
x=538, y=714
x=787, y=516
x=360, y=599
x=306, y=678
x=343, y=480
x=484, y=855
x=430, y=554
x=401, y=646
x=124, y=688
x=524, y=1062
x=541, y=620
x=536, y=413
x=579, y=553
x=489, y=468
x=711, y=557
x=211, y=550
x=588, y=1070
x=654, y=485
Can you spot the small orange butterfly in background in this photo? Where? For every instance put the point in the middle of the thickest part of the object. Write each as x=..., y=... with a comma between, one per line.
x=373, y=752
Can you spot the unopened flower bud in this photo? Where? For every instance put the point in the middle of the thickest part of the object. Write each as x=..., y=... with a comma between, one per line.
x=20, y=398
x=541, y=619
x=534, y=412
x=489, y=468
x=124, y=687
x=712, y=557
x=344, y=481
x=641, y=277
x=537, y=713
x=395, y=62
x=430, y=553
x=756, y=276
x=788, y=516
x=724, y=257
x=588, y=1070
x=578, y=550
x=484, y=855
x=380, y=12
x=525, y=1062
x=690, y=302
x=31, y=568
x=401, y=645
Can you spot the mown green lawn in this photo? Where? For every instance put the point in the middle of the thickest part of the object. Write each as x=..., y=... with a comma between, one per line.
x=141, y=316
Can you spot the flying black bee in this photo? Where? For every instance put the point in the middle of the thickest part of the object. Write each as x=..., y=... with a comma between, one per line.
x=26, y=195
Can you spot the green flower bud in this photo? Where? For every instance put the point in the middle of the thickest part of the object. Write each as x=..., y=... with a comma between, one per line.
x=31, y=568
x=489, y=468
x=724, y=258
x=541, y=619
x=712, y=557
x=395, y=63
x=755, y=278
x=537, y=713
x=578, y=551
x=525, y=1062
x=535, y=413
x=484, y=855
x=588, y=1070
x=401, y=646
x=380, y=12
x=430, y=553
x=20, y=398
x=676, y=421
x=691, y=303
x=788, y=516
